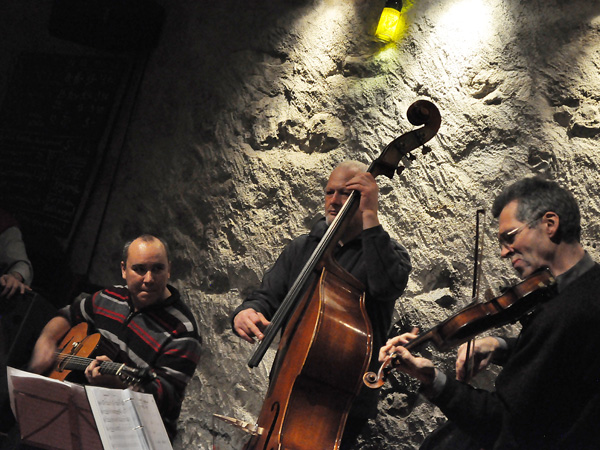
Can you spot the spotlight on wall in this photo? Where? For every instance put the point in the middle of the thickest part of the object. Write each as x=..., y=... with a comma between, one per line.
x=391, y=22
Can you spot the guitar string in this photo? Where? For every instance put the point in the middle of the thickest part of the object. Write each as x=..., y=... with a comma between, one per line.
x=80, y=360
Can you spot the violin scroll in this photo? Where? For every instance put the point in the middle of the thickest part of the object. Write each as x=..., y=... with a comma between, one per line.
x=376, y=380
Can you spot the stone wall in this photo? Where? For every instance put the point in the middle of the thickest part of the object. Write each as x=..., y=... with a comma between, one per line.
x=245, y=107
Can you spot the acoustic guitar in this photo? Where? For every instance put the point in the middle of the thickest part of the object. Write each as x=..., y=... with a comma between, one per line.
x=73, y=355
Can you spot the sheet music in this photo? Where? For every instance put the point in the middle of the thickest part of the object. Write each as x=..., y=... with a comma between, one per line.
x=127, y=419
x=118, y=428
x=148, y=415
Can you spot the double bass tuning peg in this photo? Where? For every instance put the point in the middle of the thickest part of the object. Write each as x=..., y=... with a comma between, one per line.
x=409, y=156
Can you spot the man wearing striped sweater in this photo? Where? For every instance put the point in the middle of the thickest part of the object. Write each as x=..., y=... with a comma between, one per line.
x=146, y=322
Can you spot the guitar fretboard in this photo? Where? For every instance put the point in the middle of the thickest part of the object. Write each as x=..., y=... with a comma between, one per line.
x=74, y=362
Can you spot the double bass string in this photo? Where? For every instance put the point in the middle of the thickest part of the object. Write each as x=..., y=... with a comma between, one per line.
x=289, y=302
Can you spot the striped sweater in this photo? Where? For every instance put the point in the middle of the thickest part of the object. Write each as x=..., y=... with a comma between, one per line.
x=163, y=336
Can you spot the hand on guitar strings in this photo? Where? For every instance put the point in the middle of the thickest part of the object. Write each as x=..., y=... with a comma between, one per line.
x=97, y=378
x=43, y=356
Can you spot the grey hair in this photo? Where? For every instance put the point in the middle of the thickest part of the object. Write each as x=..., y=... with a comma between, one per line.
x=536, y=196
x=352, y=164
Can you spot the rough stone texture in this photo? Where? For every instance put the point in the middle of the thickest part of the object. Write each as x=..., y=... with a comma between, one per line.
x=246, y=106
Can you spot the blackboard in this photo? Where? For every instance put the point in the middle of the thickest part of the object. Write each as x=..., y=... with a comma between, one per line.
x=53, y=125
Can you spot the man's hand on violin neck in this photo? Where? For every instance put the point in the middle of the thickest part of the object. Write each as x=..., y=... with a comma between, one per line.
x=402, y=339
x=420, y=368
x=250, y=324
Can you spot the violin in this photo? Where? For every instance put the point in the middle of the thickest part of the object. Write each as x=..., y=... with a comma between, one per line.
x=514, y=303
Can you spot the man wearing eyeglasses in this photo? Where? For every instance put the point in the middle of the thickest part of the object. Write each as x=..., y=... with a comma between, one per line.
x=548, y=393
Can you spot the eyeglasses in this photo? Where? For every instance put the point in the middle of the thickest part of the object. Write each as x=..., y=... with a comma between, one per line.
x=507, y=238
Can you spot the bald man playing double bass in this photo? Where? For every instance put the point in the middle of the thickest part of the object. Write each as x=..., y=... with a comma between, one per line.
x=366, y=251
x=548, y=393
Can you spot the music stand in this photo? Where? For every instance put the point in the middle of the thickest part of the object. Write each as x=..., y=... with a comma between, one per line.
x=52, y=414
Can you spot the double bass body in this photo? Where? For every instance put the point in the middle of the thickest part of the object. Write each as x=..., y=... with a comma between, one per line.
x=317, y=373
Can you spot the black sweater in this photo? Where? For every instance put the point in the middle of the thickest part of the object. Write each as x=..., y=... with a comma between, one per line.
x=548, y=393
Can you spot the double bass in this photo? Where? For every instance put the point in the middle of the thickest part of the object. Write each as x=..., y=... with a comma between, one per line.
x=326, y=344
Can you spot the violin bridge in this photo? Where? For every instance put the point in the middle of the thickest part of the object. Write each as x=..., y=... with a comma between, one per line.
x=249, y=428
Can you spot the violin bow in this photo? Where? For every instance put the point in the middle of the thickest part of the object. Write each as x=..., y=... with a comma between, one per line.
x=478, y=256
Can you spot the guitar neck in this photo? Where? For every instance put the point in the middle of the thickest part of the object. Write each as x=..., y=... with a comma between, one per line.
x=69, y=362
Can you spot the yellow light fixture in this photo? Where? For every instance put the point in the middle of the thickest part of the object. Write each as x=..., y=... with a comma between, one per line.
x=391, y=22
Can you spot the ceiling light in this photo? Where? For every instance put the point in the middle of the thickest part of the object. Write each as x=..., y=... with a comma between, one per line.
x=391, y=22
